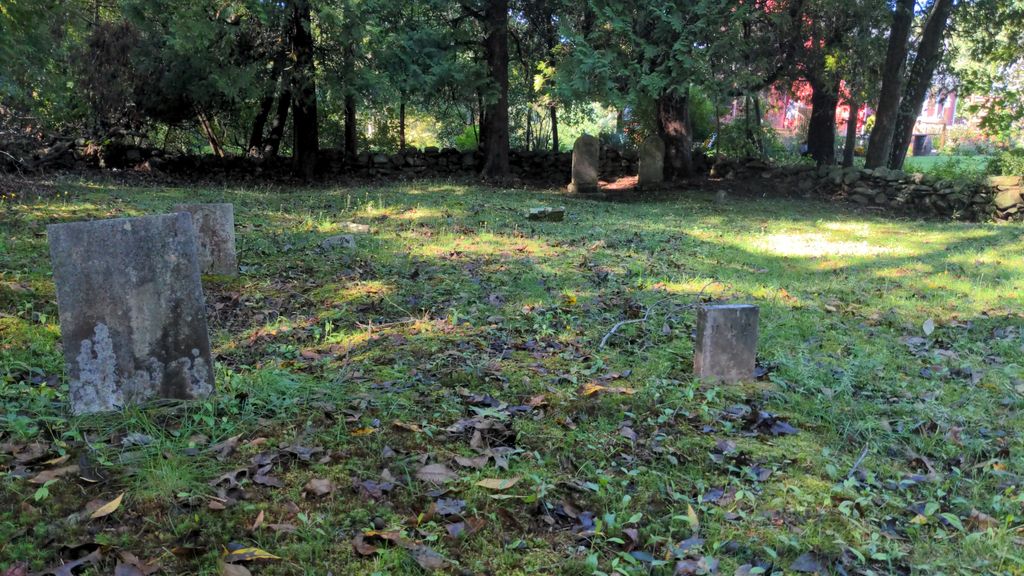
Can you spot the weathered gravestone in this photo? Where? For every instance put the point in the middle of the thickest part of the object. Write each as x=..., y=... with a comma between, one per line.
x=215, y=226
x=586, y=158
x=726, y=346
x=652, y=163
x=132, y=315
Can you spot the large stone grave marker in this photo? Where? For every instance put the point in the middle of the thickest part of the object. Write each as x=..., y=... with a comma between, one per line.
x=215, y=226
x=132, y=314
x=652, y=163
x=586, y=158
x=726, y=347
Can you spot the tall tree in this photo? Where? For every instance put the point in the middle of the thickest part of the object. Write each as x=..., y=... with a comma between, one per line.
x=880, y=141
x=304, y=106
x=495, y=114
x=929, y=53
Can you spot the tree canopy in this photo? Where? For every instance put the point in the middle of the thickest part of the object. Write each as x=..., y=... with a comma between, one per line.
x=257, y=78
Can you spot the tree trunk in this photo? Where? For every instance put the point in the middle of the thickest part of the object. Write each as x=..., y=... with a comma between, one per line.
x=496, y=145
x=929, y=52
x=554, y=128
x=821, y=131
x=880, y=141
x=674, y=128
x=273, y=143
x=262, y=115
x=255, y=147
x=351, y=130
x=207, y=128
x=401, y=125
x=304, y=109
x=851, y=133
x=758, y=132
x=529, y=127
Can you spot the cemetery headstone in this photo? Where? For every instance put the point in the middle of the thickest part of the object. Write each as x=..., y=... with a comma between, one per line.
x=215, y=226
x=652, y=163
x=586, y=157
x=726, y=347
x=132, y=313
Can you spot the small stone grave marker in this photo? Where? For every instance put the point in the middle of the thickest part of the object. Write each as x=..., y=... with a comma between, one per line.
x=586, y=157
x=132, y=313
x=547, y=214
x=652, y=163
x=726, y=347
x=215, y=227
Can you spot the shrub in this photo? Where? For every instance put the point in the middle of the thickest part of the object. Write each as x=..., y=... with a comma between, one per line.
x=958, y=170
x=734, y=142
x=968, y=141
x=1008, y=163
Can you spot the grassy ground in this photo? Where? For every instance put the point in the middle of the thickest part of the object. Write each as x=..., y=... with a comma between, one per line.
x=458, y=346
x=947, y=166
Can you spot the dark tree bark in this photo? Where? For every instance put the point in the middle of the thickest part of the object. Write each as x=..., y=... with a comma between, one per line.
x=821, y=131
x=929, y=52
x=851, y=134
x=880, y=141
x=529, y=127
x=259, y=124
x=304, y=109
x=496, y=147
x=273, y=142
x=677, y=134
x=401, y=125
x=351, y=129
x=255, y=147
x=554, y=128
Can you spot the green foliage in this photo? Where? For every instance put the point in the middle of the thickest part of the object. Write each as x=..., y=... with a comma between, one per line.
x=1007, y=163
x=468, y=139
x=737, y=139
x=969, y=141
x=955, y=168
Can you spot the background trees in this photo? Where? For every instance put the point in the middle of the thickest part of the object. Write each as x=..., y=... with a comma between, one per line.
x=258, y=78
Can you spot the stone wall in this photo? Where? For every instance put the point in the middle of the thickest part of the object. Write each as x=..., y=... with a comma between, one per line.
x=997, y=198
x=545, y=166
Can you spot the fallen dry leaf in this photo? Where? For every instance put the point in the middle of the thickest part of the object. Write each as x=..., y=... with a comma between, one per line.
x=108, y=508
x=498, y=483
x=47, y=475
x=248, y=554
x=477, y=462
x=436, y=474
x=591, y=388
x=233, y=570
x=319, y=487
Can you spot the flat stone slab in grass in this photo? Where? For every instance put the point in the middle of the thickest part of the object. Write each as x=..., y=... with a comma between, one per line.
x=726, y=347
x=547, y=214
x=586, y=158
x=652, y=163
x=341, y=241
x=355, y=228
x=132, y=314
x=215, y=225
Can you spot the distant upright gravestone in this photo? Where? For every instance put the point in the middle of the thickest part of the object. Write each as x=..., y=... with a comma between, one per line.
x=726, y=347
x=586, y=156
x=132, y=315
x=215, y=226
x=652, y=163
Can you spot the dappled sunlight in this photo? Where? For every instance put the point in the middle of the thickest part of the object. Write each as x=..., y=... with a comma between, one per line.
x=419, y=213
x=346, y=292
x=816, y=245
